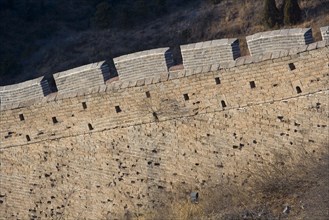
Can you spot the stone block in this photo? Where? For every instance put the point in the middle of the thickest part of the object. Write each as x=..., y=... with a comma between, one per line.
x=84, y=77
x=273, y=41
x=210, y=53
x=143, y=64
x=21, y=92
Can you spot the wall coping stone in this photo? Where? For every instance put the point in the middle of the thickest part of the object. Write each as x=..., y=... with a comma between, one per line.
x=22, y=85
x=208, y=44
x=140, y=54
x=278, y=33
x=79, y=69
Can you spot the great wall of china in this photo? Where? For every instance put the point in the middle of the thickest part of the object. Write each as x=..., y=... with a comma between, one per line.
x=84, y=145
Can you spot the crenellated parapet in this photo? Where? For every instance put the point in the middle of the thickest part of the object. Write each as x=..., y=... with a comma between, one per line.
x=325, y=33
x=249, y=80
x=14, y=95
x=144, y=64
x=210, y=52
x=278, y=40
x=157, y=65
x=83, y=77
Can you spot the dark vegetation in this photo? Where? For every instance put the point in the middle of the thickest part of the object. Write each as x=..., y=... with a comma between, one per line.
x=272, y=15
x=292, y=12
x=289, y=13
x=46, y=36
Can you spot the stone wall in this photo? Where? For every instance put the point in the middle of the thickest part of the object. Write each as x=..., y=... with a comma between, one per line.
x=325, y=33
x=143, y=64
x=13, y=95
x=133, y=170
x=128, y=104
x=121, y=150
x=84, y=77
x=208, y=53
x=278, y=40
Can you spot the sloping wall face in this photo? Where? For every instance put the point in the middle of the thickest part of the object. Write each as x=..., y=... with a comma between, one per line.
x=24, y=92
x=123, y=152
x=134, y=170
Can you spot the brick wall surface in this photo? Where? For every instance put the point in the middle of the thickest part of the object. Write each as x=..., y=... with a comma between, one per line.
x=122, y=150
x=206, y=53
x=278, y=40
x=144, y=64
x=84, y=77
x=22, y=92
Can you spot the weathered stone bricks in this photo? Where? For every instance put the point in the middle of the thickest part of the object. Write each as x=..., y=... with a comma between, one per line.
x=144, y=64
x=276, y=84
x=84, y=77
x=22, y=92
x=208, y=53
x=278, y=40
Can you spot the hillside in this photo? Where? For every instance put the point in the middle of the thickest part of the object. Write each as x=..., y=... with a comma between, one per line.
x=50, y=36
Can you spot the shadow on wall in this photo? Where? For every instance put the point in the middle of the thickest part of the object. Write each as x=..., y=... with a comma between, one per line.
x=112, y=70
x=46, y=89
x=51, y=83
